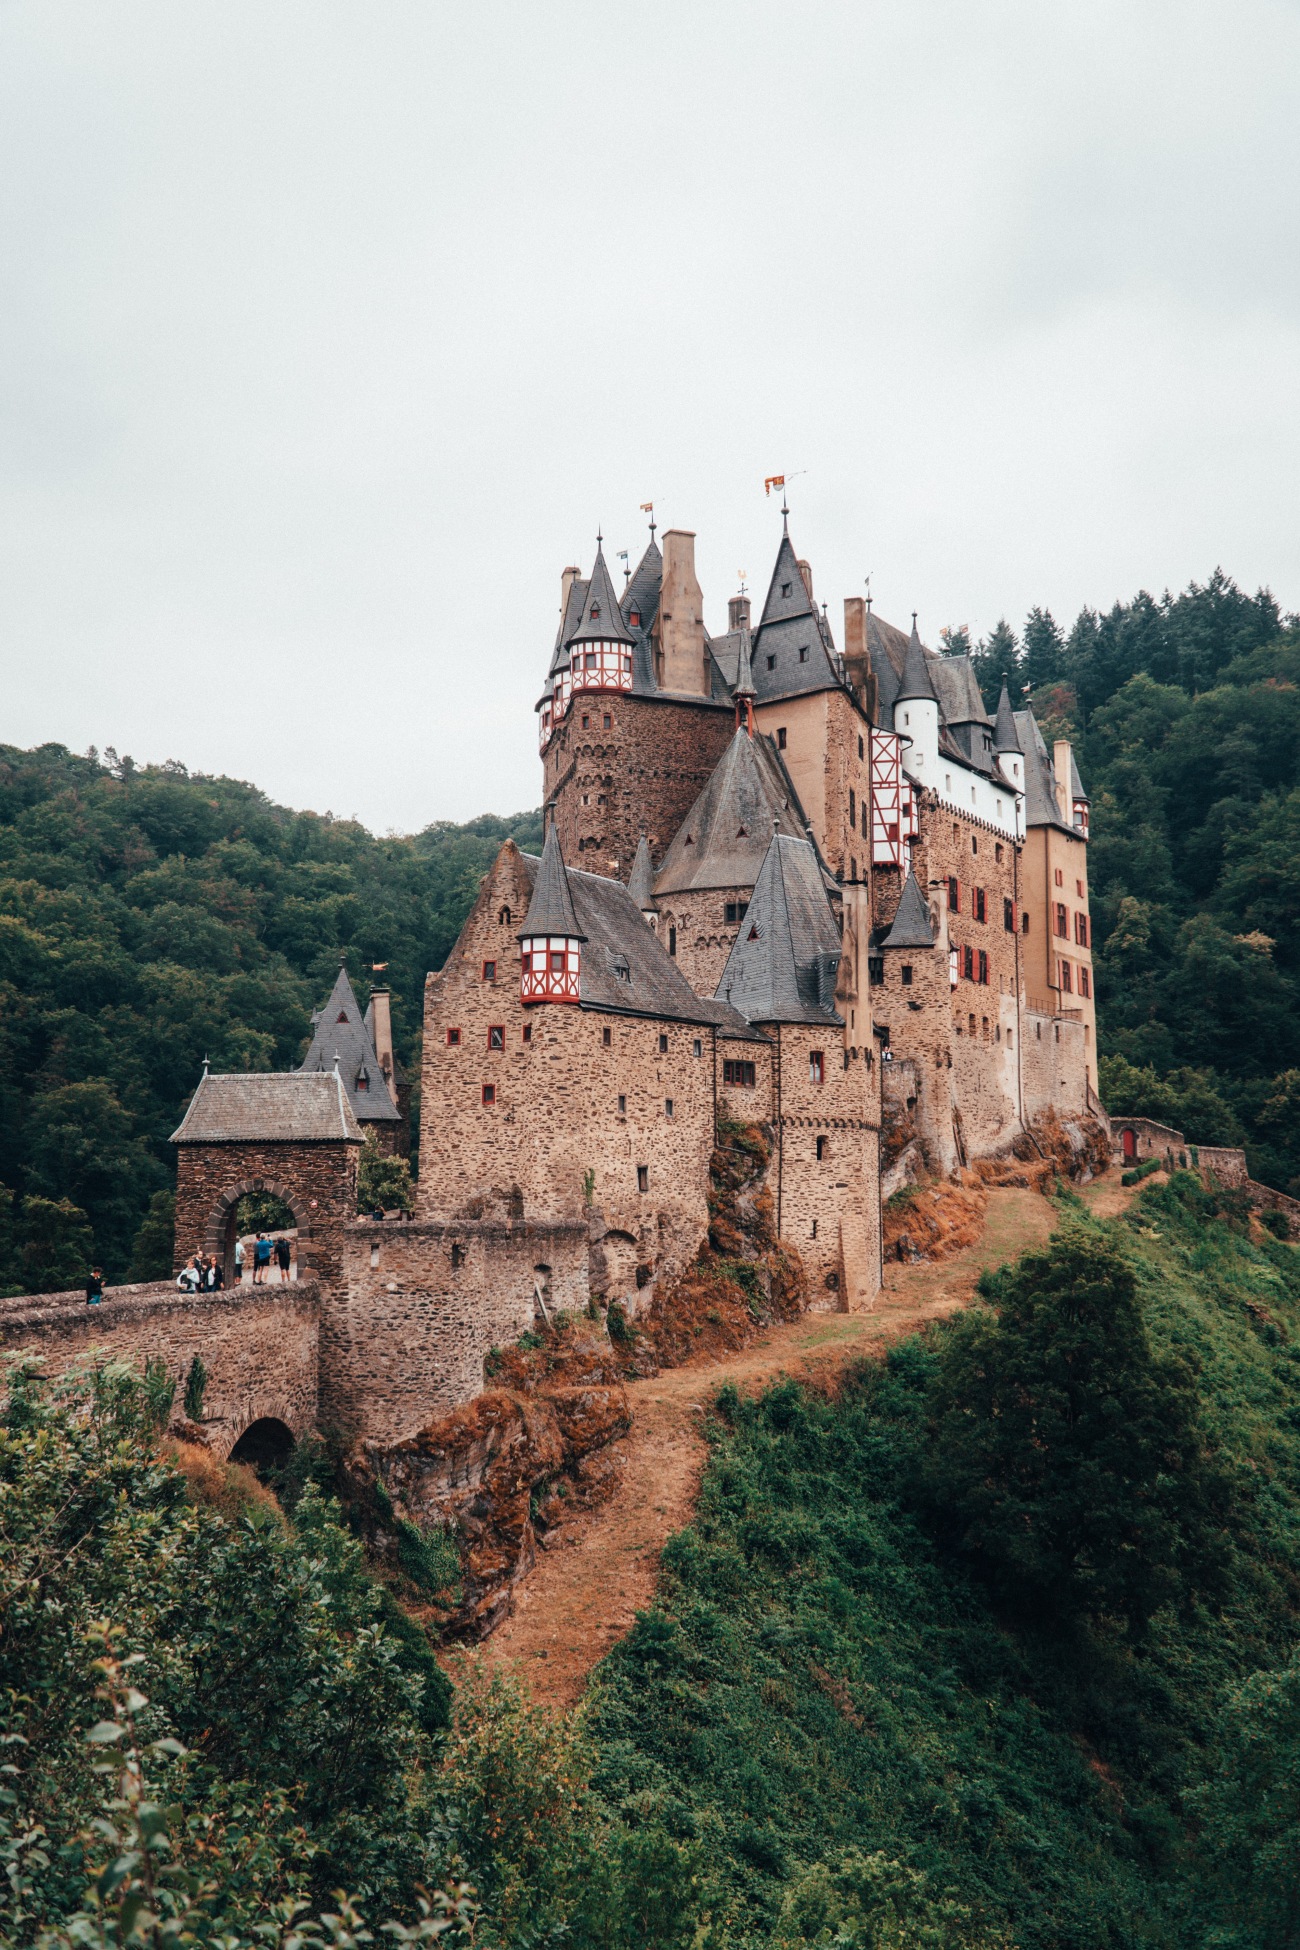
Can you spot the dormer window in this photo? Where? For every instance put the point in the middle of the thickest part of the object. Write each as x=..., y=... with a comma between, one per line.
x=785, y=589
x=771, y=663
x=622, y=968
x=803, y=653
x=634, y=618
x=595, y=612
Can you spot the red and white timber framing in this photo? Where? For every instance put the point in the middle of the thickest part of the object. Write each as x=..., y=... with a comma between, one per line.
x=551, y=968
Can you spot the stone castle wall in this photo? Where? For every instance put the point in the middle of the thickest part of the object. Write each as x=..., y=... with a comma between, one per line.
x=641, y=772
x=828, y=1206
x=1053, y=1065
x=258, y=1344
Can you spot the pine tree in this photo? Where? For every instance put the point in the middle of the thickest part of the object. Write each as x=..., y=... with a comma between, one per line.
x=1043, y=661
x=997, y=656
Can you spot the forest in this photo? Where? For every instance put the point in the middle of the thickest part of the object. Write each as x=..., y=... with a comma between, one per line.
x=150, y=919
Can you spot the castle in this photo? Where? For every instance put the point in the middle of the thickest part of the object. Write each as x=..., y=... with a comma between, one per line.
x=782, y=882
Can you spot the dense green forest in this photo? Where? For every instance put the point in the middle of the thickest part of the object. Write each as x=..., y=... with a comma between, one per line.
x=997, y=1648
x=149, y=919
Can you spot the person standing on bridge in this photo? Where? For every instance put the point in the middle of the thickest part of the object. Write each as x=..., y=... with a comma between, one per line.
x=94, y=1286
x=261, y=1259
x=239, y=1262
x=283, y=1254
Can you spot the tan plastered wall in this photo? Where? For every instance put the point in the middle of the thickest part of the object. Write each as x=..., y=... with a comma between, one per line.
x=259, y=1345
x=1048, y=850
x=823, y=730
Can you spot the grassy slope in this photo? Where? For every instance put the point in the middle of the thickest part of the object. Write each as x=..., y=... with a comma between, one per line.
x=815, y=1678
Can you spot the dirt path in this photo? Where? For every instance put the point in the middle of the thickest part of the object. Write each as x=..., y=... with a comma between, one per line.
x=584, y=1593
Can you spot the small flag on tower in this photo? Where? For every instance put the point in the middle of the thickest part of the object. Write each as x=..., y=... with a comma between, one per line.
x=773, y=480
x=647, y=507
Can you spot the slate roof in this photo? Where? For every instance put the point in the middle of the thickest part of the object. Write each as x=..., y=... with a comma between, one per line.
x=625, y=968
x=724, y=838
x=277, y=1107
x=792, y=624
x=1005, y=736
x=1041, y=808
x=341, y=1031
x=641, y=880
x=1076, y=783
x=642, y=592
x=608, y=625
x=887, y=650
x=783, y=965
x=551, y=910
x=916, y=673
x=911, y=928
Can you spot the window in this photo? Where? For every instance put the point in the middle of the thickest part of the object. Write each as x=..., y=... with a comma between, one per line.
x=489, y=971
x=816, y=1066
x=979, y=907
x=1062, y=921
x=997, y=852
x=893, y=830
x=861, y=749
x=528, y=1032
x=622, y=1106
x=622, y=968
x=954, y=895
x=606, y=1038
x=1081, y=929
x=1060, y=878
x=1067, y=984
x=735, y=912
x=785, y=589
x=595, y=615
x=771, y=663
x=503, y=918
x=453, y=1038
x=738, y=1073
x=853, y=809
x=823, y=1149
x=497, y=1036
x=1024, y=924
x=1009, y=916
x=672, y=941
x=983, y=967
x=780, y=738
x=853, y=866
x=907, y=975
x=803, y=653
x=984, y=1027
x=876, y=970
x=634, y=618
x=697, y=1047
x=489, y=1094
x=458, y=1255
x=972, y=1025
x=974, y=838
x=1078, y=888
x=968, y=963
x=1085, y=982
x=643, y=1178
x=663, y=1045
x=586, y=721
x=557, y=961
x=607, y=722
x=668, y=1106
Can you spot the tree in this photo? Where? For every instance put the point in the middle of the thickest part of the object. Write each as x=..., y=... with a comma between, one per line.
x=55, y=1245
x=996, y=657
x=151, y=1254
x=1066, y=1459
x=1042, y=659
x=383, y=1183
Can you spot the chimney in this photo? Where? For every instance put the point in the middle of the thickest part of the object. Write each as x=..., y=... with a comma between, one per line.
x=567, y=579
x=381, y=1031
x=805, y=570
x=855, y=630
x=738, y=613
x=1061, y=756
x=683, y=665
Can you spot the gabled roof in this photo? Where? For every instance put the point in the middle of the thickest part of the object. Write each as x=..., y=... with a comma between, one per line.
x=1041, y=808
x=641, y=880
x=278, y=1107
x=957, y=689
x=911, y=928
x=607, y=625
x=724, y=838
x=1005, y=736
x=340, y=1032
x=551, y=909
x=916, y=673
x=783, y=965
x=792, y=635
x=625, y=969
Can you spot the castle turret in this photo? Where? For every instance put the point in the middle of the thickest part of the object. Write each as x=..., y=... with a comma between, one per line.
x=551, y=939
x=600, y=646
x=1010, y=754
x=916, y=713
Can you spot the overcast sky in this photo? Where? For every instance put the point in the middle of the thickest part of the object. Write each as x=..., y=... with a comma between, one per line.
x=329, y=333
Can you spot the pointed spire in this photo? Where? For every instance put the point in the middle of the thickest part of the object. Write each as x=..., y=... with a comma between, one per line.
x=743, y=691
x=917, y=682
x=551, y=910
x=601, y=619
x=1005, y=736
x=787, y=593
x=641, y=880
x=911, y=927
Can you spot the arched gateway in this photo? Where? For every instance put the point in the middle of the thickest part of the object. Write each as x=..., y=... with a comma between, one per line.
x=290, y=1133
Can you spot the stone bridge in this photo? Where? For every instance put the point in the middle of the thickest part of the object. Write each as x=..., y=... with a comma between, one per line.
x=259, y=1345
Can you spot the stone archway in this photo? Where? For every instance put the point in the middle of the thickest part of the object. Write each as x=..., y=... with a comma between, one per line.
x=265, y=1444
x=219, y=1232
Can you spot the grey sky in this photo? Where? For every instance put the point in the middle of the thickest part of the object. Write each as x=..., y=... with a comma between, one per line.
x=329, y=333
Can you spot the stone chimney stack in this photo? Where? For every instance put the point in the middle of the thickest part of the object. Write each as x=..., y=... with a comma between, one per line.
x=805, y=570
x=738, y=613
x=567, y=579
x=381, y=1032
x=857, y=661
x=683, y=662
x=1061, y=757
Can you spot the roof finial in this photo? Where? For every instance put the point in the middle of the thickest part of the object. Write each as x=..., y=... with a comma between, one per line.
x=648, y=508
x=785, y=513
x=336, y=1062
x=599, y=537
x=205, y=1066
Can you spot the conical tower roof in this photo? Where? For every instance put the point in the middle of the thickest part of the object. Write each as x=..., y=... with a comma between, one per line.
x=725, y=836
x=787, y=593
x=917, y=682
x=1005, y=736
x=551, y=909
x=783, y=965
x=602, y=618
x=340, y=1032
x=641, y=880
x=911, y=927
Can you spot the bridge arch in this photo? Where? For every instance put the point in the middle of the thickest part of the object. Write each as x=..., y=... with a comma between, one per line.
x=267, y=1443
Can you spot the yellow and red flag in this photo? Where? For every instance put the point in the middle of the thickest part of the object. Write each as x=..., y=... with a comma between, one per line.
x=773, y=480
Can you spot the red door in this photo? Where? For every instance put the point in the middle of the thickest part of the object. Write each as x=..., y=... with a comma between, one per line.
x=1129, y=1144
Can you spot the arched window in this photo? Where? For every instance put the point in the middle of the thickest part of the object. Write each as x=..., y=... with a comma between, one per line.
x=503, y=917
